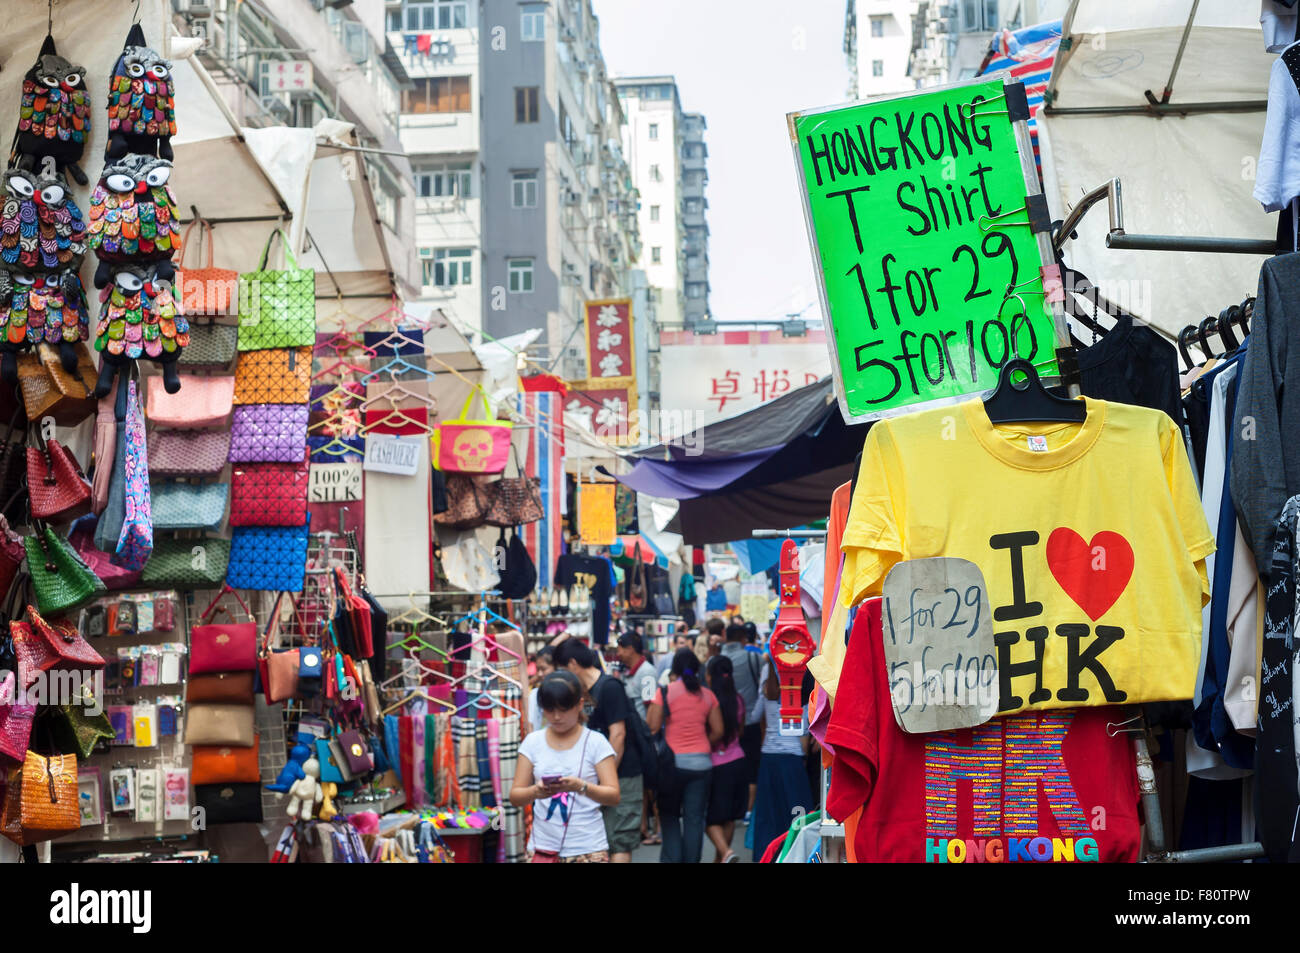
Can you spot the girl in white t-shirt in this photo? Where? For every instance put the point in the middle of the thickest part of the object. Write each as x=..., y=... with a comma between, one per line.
x=568, y=771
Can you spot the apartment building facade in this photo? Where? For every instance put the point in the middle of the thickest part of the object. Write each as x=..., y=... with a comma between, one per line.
x=695, y=204
x=355, y=77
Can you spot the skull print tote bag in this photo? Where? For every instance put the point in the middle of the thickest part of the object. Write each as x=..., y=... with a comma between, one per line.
x=466, y=445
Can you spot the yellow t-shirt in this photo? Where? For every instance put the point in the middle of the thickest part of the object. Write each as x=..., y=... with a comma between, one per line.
x=1090, y=536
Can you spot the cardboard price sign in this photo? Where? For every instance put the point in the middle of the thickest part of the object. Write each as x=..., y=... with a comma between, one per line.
x=939, y=651
x=919, y=220
x=596, y=518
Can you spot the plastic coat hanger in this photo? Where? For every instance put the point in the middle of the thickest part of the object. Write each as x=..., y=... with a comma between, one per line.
x=398, y=365
x=1027, y=400
x=341, y=365
x=397, y=392
x=395, y=417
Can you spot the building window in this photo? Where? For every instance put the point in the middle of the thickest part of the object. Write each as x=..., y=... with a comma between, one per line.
x=520, y=275
x=443, y=181
x=877, y=26
x=656, y=255
x=523, y=189
x=695, y=291
x=979, y=16
x=654, y=130
x=436, y=14
x=437, y=94
x=654, y=213
x=532, y=22
x=877, y=67
x=525, y=104
x=655, y=174
x=567, y=132
x=446, y=267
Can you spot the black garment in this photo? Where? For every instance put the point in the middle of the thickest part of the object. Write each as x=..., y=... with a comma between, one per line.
x=1133, y=364
x=1276, y=802
x=611, y=703
x=594, y=573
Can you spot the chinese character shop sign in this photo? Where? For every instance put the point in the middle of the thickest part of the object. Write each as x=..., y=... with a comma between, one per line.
x=920, y=221
x=607, y=410
x=288, y=76
x=609, y=339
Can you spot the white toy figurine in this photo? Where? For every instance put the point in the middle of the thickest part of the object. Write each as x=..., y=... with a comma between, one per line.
x=306, y=791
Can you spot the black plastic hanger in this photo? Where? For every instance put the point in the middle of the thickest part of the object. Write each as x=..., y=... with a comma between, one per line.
x=1230, y=342
x=1026, y=400
x=1203, y=335
x=1184, y=342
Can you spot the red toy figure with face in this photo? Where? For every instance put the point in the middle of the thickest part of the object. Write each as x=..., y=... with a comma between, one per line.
x=791, y=644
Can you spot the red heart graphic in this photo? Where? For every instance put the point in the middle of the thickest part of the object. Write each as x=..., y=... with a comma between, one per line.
x=1074, y=562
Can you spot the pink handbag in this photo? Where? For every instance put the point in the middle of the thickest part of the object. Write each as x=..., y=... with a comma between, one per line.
x=188, y=452
x=82, y=540
x=216, y=647
x=201, y=402
x=463, y=445
x=15, y=720
x=104, y=450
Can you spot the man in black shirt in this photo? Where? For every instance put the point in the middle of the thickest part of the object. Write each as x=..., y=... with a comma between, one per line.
x=609, y=716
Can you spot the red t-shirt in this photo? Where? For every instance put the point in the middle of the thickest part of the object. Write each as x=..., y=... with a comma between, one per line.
x=687, y=731
x=1041, y=786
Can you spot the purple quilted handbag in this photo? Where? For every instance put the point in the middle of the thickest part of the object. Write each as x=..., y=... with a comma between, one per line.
x=269, y=433
x=188, y=452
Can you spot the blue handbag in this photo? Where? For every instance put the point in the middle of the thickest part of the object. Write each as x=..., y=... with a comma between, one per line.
x=329, y=766
x=189, y=505
x=273, y=558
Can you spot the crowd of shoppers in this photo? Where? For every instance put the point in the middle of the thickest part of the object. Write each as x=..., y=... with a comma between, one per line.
x=711, y=702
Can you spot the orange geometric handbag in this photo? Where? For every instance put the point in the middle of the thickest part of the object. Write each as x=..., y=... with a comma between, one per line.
x=279, y=375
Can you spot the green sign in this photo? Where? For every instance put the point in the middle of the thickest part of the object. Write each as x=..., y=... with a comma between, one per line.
x=917, y=214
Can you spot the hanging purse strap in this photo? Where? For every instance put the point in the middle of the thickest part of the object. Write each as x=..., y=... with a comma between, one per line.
x=205, y=240
x=212, y=606
x=289, y=258
x=272, y=626
x=582, y=757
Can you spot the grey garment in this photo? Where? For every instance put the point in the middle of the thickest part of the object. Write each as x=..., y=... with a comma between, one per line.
x=693, y=761
x=663, y=663
x=109, y=528
x=1265, y=467
x=746, y=669
x=641, y=686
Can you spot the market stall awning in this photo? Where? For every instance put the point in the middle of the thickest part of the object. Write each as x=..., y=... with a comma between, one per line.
x=624, y=550
x=1186, y=173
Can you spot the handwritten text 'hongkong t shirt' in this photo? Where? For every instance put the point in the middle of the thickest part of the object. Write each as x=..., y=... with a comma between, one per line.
x=1040, y=786
x=1091, y=539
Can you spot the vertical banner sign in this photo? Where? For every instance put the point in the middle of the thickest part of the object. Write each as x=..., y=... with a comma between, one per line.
x=930, y=235
x=607, y=410
x=609, y=339
x=596, y=513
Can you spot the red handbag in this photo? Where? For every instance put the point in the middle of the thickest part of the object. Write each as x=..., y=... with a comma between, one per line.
x=42, y=647
x=15, y=720
x=223, y=648
x=12, y=555
x=269, y=494
x=59, y=490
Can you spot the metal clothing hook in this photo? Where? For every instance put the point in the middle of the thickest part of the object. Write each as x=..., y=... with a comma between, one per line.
x=49, y=23
x=135, y=14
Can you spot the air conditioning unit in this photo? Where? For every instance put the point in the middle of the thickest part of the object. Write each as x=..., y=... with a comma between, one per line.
x=277, y=108
x=568, y=34
x=594, y=196
x=196, y=9
x=572, y=197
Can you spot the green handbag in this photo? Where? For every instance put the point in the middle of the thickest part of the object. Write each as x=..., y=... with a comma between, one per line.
x=277, y=308
x=187, y=564
x=74, y=731
x=61, y=580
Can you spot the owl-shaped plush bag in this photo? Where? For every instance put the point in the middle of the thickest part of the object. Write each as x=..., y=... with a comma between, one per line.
x=141, y=108
x=133, y=216
x=41, y=309
x=138, y=317
x=41, y=228
x=54, y=114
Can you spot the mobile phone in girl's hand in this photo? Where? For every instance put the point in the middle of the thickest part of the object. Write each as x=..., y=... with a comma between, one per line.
x=550, y=780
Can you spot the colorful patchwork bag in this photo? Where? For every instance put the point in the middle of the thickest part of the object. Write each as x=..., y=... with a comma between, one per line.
x=135, y=542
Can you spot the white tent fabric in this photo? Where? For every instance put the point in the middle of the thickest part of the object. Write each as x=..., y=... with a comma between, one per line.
x=1190, y=176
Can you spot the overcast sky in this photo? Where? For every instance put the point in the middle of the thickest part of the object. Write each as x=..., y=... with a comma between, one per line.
x=744, y=64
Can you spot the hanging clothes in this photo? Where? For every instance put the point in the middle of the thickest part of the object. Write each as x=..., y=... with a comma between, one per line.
x=1010, y=789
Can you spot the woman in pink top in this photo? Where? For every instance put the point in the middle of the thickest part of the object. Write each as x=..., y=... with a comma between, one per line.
x=692, y=723
x=729, y=786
